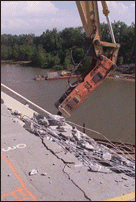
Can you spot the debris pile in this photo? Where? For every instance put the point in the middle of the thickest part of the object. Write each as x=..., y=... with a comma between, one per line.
x=98, y=157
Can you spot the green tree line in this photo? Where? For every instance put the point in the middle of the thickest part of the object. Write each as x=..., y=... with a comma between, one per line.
x=52, y=48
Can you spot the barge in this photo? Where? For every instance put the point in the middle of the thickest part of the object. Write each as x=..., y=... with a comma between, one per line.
x=54, y=76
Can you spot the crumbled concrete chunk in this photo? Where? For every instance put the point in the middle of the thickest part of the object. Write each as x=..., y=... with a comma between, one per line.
x=56, y=120
x=37, y=116
x=40, y=132
x=44, y=122
x=25, y=119
x=29, y=126
x=15, y=112
x=106, y=156
x=97, y=167
x=61, y=128
x=74, y=129
x=90, y=179
x=33, y=172
x=88, y=146
x=44, y=174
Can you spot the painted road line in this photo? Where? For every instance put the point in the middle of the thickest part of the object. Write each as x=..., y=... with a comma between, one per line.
x=19, y=146
x=15, y=192
x=22, y=189
x=125, y=197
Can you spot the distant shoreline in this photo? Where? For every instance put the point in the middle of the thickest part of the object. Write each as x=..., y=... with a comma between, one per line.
x=121, y=78
x=115, y=73
x=14, y=62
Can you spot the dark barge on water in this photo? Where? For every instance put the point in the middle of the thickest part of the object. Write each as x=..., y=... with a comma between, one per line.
x=54, y=76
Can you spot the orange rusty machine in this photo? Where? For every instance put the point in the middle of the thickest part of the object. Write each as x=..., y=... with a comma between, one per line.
x=100, y=66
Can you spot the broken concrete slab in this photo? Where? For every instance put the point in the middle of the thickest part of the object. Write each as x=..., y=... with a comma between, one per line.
x=52, y=145
x=64, y=181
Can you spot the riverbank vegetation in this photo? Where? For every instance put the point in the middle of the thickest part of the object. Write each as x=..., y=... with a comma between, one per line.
x=52, y=48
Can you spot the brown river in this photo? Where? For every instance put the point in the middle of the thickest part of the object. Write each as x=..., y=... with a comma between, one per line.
x=109, y=110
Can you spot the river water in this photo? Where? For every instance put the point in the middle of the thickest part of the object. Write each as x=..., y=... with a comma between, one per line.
x=109, y=110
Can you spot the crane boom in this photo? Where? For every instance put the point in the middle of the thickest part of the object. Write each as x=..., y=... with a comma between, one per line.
x=100, y=66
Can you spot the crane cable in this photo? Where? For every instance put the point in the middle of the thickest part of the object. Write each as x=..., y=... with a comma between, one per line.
x=76, y=66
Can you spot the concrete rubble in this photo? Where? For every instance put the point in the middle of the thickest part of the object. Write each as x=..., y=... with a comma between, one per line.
x=33, y=172
x=97, y=157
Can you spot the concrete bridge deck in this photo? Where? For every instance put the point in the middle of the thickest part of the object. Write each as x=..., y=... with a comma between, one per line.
x=59, y=176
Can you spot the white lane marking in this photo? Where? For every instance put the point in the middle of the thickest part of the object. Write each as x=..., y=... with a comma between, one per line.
x=19, y=146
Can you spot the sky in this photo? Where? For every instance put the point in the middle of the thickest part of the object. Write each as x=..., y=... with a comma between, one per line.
x=35, y=17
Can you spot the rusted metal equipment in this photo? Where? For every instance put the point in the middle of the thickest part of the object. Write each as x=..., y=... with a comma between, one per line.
x=101, y=65
x=74, y=96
